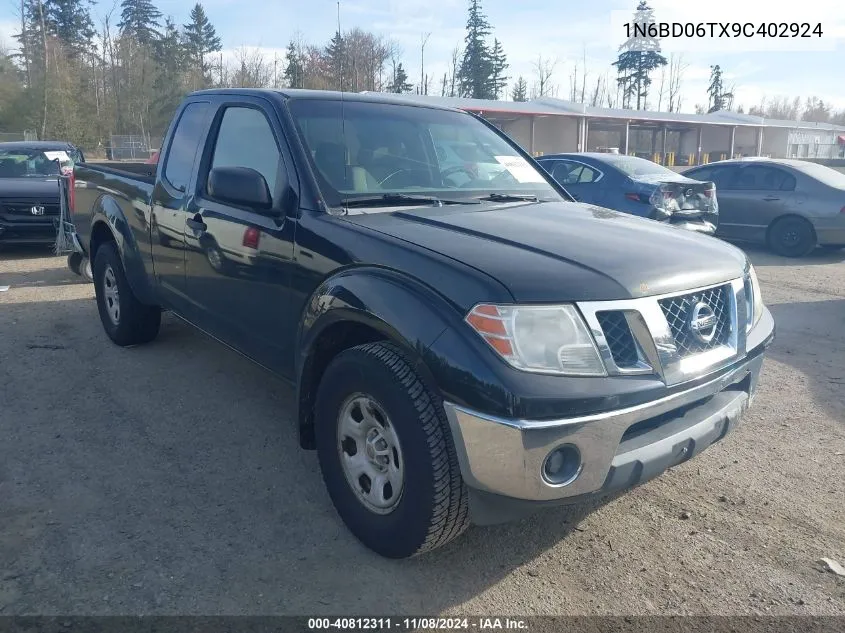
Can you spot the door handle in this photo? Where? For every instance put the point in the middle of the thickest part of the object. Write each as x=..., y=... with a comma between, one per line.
x=195, y=223
x=770, y=198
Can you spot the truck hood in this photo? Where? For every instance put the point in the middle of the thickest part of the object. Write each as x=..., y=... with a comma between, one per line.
x=561, y=251
x=42, y=188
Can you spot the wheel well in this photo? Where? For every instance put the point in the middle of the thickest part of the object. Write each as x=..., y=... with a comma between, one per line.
x=331, y=342
x=99, y=236
x=790, y=216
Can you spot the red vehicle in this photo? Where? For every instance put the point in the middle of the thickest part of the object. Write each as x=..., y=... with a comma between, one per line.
x=153, y=159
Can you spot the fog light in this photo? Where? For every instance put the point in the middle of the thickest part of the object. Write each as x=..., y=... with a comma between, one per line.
x=562, y=465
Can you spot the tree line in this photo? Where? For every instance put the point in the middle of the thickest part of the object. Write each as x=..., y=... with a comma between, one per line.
x=74, y=79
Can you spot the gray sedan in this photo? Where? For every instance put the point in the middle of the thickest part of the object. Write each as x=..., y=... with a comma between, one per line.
x=791, y=205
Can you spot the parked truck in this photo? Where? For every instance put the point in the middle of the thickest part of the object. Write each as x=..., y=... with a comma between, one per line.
x=463, y=349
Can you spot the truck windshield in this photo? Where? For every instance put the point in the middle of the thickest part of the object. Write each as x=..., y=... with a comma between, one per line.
x=23, y=163
x=363, y=148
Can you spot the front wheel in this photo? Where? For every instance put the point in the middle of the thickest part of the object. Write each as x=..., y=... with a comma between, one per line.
x=386, y=453
x=792, y=237
x=126, y=320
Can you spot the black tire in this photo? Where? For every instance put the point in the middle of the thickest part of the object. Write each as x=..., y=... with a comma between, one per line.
x=135, y=322
x=74, y=263
x=215, y=258
x=432, y=508
x=792, y=237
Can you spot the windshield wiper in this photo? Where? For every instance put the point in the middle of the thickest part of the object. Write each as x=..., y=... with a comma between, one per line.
x=400, y=199
x=510, y=197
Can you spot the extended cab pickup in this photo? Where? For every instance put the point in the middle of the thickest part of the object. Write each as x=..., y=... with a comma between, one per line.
x=465, y=347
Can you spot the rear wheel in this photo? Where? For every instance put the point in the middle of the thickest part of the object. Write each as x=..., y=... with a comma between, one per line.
x=126, y=320
x=387, y=454
x=792, y=237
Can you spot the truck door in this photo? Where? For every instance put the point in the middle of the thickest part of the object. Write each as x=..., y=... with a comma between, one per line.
x=238, y=259
x=167, y=215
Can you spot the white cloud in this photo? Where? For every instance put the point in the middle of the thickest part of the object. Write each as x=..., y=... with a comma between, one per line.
x=8, y=29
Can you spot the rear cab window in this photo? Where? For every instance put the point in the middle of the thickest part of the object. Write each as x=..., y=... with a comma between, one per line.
x=184, y=143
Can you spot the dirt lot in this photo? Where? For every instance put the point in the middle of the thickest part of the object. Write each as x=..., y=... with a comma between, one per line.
x=167, y=479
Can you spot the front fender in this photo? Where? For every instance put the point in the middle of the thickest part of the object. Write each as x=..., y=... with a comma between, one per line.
x=397, y=306
x=360, y=305
x=107, y=213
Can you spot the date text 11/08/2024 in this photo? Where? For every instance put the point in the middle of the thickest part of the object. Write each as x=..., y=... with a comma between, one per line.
x=418, y=624
x=722, y=29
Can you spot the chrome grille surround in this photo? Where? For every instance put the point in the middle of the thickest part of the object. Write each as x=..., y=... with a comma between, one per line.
x=659, y=326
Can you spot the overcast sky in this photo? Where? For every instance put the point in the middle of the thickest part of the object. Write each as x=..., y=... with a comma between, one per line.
x=555, y=30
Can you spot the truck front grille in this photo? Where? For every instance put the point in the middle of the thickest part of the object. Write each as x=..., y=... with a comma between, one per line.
x=619, y=338
x=699, y=321
x=24, y=208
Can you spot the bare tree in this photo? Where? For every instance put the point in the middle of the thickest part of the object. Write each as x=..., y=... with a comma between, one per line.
x=250, y=69
x=544, y=70
x=423, y=76
x=598, y=94
x=677, y=67
x=454, y=68
x=661, y=90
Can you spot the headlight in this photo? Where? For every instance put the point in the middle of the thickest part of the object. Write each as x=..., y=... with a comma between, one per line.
x=542, y=339
x=753, y=298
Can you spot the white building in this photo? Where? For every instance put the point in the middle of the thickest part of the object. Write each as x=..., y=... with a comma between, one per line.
x=547, y=125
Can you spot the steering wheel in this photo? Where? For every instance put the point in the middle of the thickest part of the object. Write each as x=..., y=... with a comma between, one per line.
x=504, y=177
x=401, y=170
x=457, y=169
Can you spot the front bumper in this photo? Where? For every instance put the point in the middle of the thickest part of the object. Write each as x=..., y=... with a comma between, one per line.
x=618, y=449
x=43, y=232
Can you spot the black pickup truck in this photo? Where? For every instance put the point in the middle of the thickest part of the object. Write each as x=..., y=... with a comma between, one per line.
x=466, y=344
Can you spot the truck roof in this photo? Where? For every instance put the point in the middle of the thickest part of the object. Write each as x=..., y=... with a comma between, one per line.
x=323, y=95
x=44, y=145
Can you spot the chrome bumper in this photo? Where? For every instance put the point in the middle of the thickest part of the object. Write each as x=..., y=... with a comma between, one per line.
x=505, y=457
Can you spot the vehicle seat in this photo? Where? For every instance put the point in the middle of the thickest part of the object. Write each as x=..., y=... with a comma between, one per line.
x=330, y=159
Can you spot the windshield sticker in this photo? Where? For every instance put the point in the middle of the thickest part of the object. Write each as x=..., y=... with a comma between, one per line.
x=60, y=156
x=520, y=169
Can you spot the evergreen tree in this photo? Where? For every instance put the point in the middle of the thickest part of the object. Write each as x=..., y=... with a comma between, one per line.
x=400, y=81
x=639, y=56
x=140, y=19
x=295, y=69
x=520, y=90
x=169, y=80
x=70, y=21
x=335, y=58
x=719, y=98
x=477, y=65
x=499, y=63
x=200, y=39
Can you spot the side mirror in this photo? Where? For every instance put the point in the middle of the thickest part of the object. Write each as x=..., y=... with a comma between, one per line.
x=240, y=185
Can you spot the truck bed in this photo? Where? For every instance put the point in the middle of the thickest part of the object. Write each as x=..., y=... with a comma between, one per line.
x=130, y=185
x=140, y=171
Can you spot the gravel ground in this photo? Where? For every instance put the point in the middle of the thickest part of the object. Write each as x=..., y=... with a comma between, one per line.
x=167, y=479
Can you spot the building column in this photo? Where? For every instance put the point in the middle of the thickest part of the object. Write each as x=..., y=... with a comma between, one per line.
x=578, y=134
x=698, y=151
x=586, y=135
x=733, y=139
x=759, y=141
x=531, y=140
x=663, y=146
x=582, y=134
x=627, y=131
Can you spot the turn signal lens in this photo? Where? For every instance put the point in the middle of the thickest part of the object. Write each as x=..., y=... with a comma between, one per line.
x=542, y=339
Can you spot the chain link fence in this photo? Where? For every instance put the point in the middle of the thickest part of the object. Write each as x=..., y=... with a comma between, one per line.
x=26, y=135
x=128, y=147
